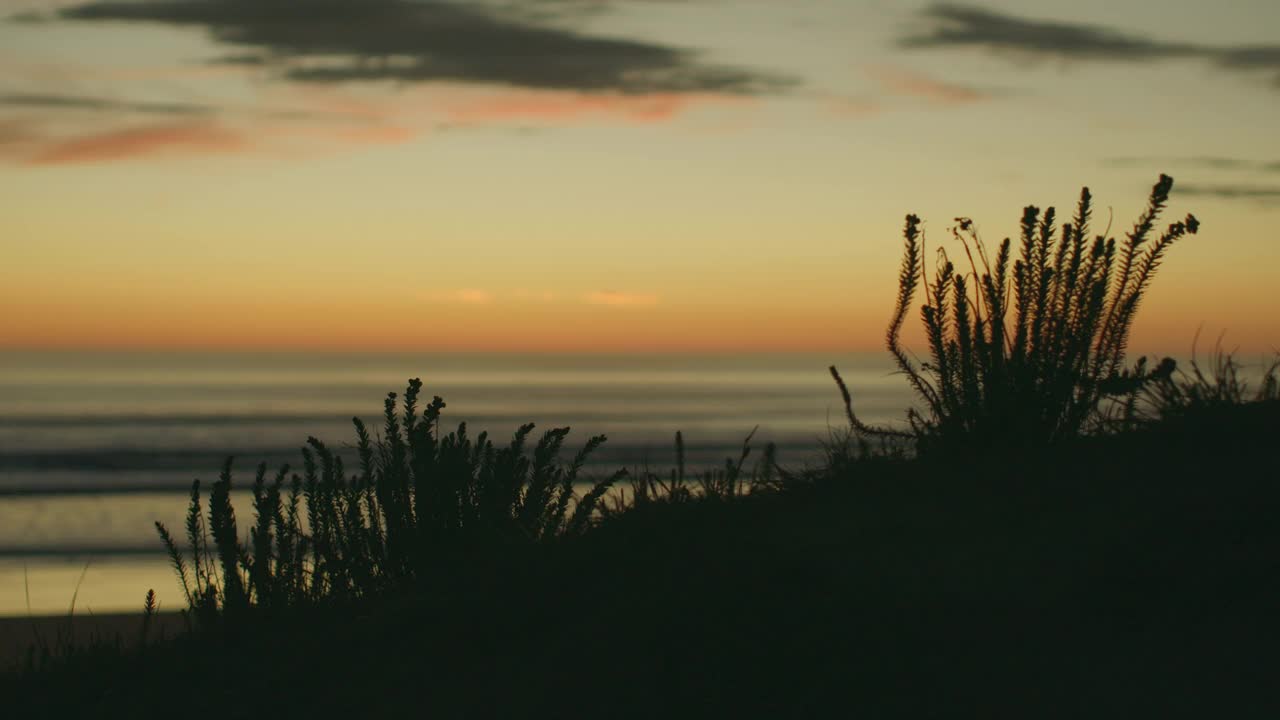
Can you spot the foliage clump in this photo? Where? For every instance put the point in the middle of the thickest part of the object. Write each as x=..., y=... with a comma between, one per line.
x=1026, y=352
x=681, y=484
x=419, y=495
x=1222, y=385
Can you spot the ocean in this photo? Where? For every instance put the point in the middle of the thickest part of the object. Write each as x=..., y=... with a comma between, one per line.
x=96, y=447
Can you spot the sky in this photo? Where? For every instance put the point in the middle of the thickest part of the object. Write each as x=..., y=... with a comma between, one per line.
x=605, y=175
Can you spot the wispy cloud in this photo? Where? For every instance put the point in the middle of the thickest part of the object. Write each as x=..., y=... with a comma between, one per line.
x=334, y=41
x=958, y=26
x=151, y=140
x=559, y=107
x=46, y=101
x=64, y=129
x=620, y=299
x=1268, y=195
x=1214, y=166
x=955, y=25
x=1222, y=165
x=1261, y=57
x=1204, y=161
x=498, y=63
x=900, y=81
x=22, y=143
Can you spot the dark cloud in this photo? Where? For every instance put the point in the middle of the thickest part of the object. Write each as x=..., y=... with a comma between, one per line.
x=95, y=104
x=418, y=40
x=960, y=25
x=1264, y=57
x=953, y=25
x=1264, y=194
x=1214, y=165
x=1204, y=161
x=242, y=59
x=30, y=17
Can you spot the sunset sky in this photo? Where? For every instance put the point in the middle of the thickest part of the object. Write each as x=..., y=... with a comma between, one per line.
x=574, y=175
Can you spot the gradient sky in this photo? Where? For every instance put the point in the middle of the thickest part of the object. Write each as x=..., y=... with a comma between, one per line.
x=604, y=174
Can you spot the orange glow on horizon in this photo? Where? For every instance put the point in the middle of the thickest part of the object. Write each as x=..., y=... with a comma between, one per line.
x=478, y=323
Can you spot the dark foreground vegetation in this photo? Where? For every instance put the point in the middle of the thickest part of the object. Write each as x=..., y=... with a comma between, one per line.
x=1054, y=533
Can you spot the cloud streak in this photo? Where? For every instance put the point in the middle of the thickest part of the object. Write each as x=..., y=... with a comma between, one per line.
x=69, y=129
x=45, y=128
x=560, y=107
x=43, y=101
x=963, y=26
x=494, y=66
x=614, y=298
x=407, y=41
x=1206, y=162
x=899, y=81
x=170, y=138
x=1263, y=194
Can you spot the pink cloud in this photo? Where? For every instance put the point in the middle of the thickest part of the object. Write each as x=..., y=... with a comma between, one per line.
x=914, y=84
x=377, y=135
x=552, y=107
x=325, y=121
x=322, y=137
x=194, y=138
x=460, y=105
x=183, y=138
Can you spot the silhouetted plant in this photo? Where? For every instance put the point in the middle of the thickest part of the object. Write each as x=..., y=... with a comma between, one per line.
x=149, y=609
x=647, y=486
x=730, y=481
x=680, y=485
x=1223, y=385
x=419, y=494
x=1030, y=352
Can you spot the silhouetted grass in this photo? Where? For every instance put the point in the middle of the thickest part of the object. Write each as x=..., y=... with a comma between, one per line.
x=419, y=496
x=734, y=479
x=1032, y=353
x=1221, y=386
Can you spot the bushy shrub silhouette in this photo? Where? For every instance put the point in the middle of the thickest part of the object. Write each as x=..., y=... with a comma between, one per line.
x=1026, y=352
x=419, y=495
